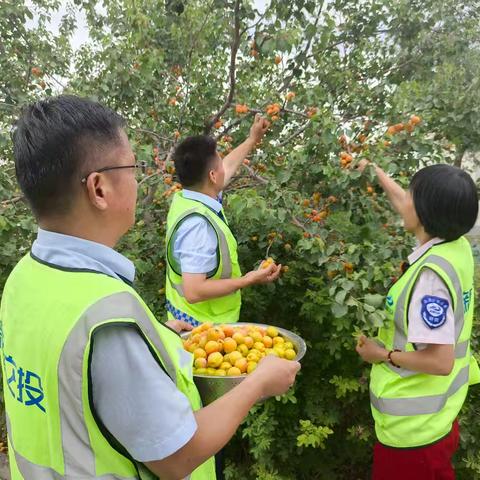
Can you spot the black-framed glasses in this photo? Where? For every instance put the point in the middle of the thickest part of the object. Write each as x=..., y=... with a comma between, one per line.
x=141, y=166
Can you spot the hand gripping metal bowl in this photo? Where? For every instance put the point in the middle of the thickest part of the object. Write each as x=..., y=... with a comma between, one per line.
x=212, y=387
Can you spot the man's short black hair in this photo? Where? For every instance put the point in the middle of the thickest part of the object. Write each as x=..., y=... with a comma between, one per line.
x=446, y=201
x=55, y=143
x=193, y=158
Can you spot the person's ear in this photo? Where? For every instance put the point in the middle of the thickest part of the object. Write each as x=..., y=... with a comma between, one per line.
x=212, y=176
x=97, y=190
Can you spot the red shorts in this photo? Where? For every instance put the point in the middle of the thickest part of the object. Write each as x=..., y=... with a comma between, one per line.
x=432, y=462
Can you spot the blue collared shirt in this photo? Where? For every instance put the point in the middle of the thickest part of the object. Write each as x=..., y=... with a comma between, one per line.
x=127, y=384
x=73, y=252
x=195, y=242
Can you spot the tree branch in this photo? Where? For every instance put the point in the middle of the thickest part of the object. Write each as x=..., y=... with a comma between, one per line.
x=233, y=57
x=289, y=79
x=293, y=135
x=255, y=175
x=151, y=132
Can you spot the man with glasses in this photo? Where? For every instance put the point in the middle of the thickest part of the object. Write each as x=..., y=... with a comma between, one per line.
x=94, y=385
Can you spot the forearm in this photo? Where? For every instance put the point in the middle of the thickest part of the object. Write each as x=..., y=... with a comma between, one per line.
x=395, y=193
x=216, y=424
x=209, y=288
x=235, y=158
x=433, y=360
x=218, y=421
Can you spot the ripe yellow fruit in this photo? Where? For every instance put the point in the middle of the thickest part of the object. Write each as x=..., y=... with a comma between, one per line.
x=215, y=359
x=279, y=351
x=229, y=345
x=200, y=363
x=267, y=341
x=272, y=332
x=239, y=338
x=212, y=346
x=253, y=357
x=215, y=334
x=199, y=353
x=203, y=340
x=244, y=346
x=234, y=356
x=266, y=263
x=233, y=372
x=241, y=364
x=251, y=366
x=415, y=120
x=290, y=354
x=257, y=336
x=243, y=349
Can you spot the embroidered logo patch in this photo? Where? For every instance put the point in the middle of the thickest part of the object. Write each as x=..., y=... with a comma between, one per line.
x=434, y=311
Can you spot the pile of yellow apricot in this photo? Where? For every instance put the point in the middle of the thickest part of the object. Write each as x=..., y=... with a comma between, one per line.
x=229, y=350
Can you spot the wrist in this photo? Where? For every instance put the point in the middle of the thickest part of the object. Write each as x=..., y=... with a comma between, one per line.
x=245, y=281
x=254, y=383
x=390, y=359
x=250, y=142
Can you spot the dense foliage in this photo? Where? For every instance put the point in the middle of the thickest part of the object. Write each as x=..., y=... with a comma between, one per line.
x=394, y=82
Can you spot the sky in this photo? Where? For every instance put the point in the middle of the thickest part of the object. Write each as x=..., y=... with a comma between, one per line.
x=81, y=34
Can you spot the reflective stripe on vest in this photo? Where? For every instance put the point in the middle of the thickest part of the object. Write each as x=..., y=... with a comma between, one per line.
x=222, y=245
x=74, y=431
x=420, y=405
x=400, y=339
x=32, y=471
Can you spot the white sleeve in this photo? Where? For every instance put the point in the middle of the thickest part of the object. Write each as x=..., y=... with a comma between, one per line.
x=430, y=314
x=134, y=397
x=195, y=246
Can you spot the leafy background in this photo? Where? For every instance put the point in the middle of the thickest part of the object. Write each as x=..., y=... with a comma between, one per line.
x=177, y=67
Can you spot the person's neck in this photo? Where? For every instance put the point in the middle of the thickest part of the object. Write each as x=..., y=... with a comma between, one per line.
x=422, y=236
x=87, y=229
x=206, y=190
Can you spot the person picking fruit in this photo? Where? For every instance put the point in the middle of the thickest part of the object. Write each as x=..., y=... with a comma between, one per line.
x=422, y=358
x=203, y=279
x=94, y=386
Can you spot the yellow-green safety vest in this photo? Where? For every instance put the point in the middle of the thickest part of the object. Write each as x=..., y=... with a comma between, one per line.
x=217, y=310
x=413, y=409
x=48, y=320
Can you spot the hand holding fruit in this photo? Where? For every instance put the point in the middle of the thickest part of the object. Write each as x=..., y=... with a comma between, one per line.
x=265, y=274
x=362, y=165
x=370, y=350
x=259, y=128
x=275, y=375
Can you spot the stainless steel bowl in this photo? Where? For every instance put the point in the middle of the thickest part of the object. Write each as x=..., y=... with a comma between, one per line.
x=212, y=387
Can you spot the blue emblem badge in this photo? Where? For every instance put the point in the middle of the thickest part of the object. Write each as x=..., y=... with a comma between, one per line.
x=389, y=301
x=434, y=311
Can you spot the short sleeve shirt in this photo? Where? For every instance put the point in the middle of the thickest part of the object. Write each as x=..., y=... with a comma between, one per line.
x=195, y=242
x=430, y=313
